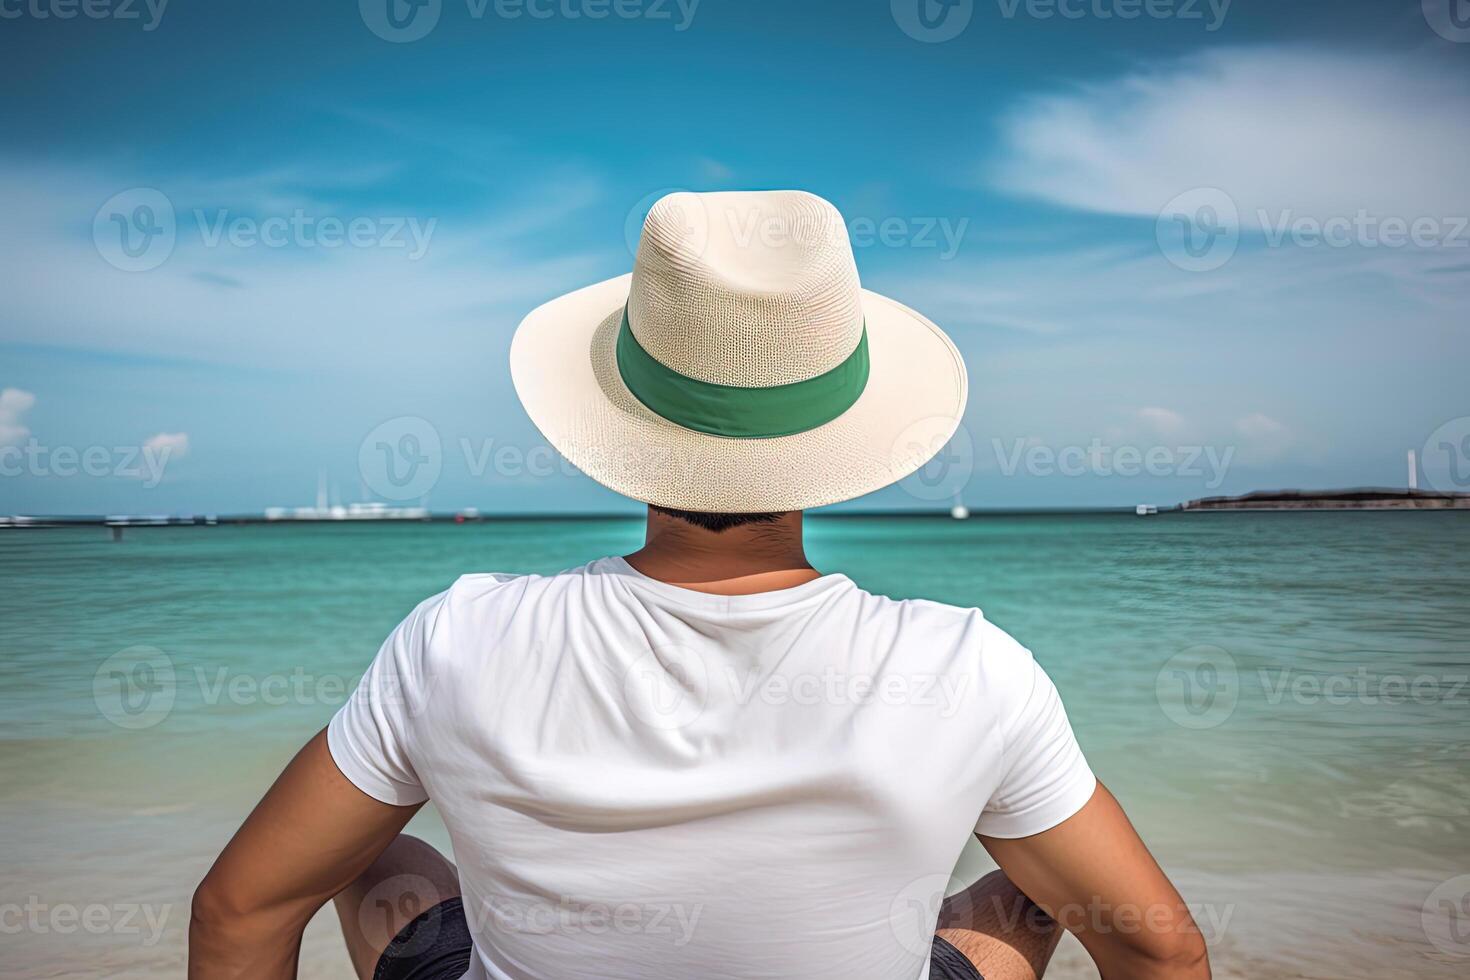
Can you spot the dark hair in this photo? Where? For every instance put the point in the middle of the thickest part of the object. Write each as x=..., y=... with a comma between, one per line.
x=717, y=522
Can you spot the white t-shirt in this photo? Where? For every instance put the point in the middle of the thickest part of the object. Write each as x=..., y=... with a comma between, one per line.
x=645, y=782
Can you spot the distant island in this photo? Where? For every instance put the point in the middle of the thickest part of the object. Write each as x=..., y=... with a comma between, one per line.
x=1362, y=498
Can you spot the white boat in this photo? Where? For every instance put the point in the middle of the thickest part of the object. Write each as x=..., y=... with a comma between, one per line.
x=1144, y=510
x=959, y=511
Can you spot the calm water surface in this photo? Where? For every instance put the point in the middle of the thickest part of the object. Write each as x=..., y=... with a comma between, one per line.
x=1282, y=702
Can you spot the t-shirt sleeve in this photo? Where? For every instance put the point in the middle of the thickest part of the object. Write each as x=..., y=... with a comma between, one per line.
x=1046, y=778
x=371, y=737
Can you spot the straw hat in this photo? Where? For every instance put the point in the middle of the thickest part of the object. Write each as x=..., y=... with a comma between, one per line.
x=740, y=367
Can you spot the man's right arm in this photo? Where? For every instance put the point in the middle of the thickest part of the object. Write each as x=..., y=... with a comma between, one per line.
x=1094, y=875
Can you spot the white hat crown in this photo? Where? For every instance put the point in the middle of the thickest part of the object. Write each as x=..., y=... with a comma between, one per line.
x=749, y=289
x=740, y=367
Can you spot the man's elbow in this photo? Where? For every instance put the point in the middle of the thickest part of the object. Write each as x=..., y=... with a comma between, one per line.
x=1178, y=955
x=210, y=910
x=230, y=939
x=1175, y=951
x=218, y=914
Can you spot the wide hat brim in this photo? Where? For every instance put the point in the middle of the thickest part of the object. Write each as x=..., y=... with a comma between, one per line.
x=563, y=365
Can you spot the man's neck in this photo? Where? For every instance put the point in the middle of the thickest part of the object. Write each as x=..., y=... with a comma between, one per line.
x=738, y=561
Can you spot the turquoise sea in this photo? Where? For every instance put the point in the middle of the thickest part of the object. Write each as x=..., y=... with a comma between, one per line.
x=1280, y=700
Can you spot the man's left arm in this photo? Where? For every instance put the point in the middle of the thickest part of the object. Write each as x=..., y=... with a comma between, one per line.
x=1093, y=874
x=311, y=835
x=1064, y=841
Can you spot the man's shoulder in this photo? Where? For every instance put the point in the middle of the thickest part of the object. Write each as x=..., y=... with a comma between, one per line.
x=484, y=608
x=964, y=629
x=929, y=609
x=496, y=589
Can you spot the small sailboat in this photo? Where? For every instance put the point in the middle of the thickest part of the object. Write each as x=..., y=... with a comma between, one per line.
x=959, y=511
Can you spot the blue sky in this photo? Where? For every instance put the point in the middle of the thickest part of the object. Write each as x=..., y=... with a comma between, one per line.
x=1028, y=176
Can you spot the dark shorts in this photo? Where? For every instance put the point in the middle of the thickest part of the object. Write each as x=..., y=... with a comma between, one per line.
x=434, y=946
x=437, y=946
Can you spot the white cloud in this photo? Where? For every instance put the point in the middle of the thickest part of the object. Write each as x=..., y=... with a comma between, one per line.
x=713, y=170
x=14, y=403
x=1258, y=425
x=167, y=445
x=306, y=308
x=1303, y=130
x=1164, y=421
x=1262, y=438
x=1058, y=341
x=1131, y=288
